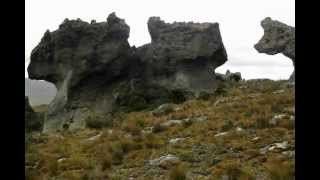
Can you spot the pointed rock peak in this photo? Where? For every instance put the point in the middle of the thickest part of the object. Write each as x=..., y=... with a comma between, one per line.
x=113, y=19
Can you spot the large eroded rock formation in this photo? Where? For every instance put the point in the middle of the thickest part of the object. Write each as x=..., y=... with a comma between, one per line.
x=96, y=71
x=278, y=38
x=183, y=54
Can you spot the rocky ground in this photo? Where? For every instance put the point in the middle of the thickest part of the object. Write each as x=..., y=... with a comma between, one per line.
x=244, y=131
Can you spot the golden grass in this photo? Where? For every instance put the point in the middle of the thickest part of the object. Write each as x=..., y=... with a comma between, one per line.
x=249, y=108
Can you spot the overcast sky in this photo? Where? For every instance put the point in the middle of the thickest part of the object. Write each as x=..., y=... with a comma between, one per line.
x=239, y=25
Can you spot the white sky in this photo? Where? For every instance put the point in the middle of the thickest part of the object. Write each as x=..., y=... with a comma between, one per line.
x=239, y=25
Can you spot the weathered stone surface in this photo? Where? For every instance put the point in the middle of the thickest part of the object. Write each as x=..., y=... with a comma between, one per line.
x=82, y=48
x=229, y=76
x=165, y=162
x=278, y=38
x=82, y=60
x=96, y=71
x=183, y=55
x=164, y=109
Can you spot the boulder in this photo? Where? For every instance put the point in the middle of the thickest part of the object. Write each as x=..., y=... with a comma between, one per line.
x=165, y=162
x=229, y=76
x=164, y=109
x=278, y=38
x=97, y=72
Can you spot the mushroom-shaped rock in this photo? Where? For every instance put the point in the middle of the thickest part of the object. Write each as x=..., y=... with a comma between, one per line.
x=183, y=55
x=278, y=38
x=80, y=58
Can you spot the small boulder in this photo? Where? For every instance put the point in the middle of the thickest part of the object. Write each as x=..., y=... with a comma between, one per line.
x=275, y=120
x=229, y=76
x=165, y=162
x=164, y=109
x=176, y=140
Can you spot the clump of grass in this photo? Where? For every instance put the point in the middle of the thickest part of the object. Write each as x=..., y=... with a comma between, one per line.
x=280, y=170
x=50, y=166
x=262, y=122
x=97, y=121
x=178, y=173
x=133, y=127
x=117, y=153
x=187, y=123
x=186, y=155
x=221, y=89
x=140, y=122
x=288, y=124
x=106, y=162
x=94, y=173
x=153, y=141
x=129, y=145
x=76, y=161
x=233, y=170
x=227, y=125
x=157, y=128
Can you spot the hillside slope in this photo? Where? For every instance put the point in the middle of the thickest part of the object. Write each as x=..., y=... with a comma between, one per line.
x=244, y=131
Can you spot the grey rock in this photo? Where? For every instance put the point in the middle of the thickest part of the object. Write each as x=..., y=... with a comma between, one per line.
x=164, y=109
x=290, y=154
x=239, y=129
x=183, y=55
x=96, y=71
x=278, y=38
x=275, y=146
x=170, y=123
x=61, y=97
x=279, y=91
x=60, y=160
x=229, y=76
x=79, y=59
x=176, y=140
x=221, y=134
x=275, y=120
x=282, y=145
x=165, y=161
x=93, y=138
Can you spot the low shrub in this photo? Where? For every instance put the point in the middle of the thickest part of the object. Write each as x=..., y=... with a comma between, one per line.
x=158, y=128
x=280, y=170
x=97, y=121
x=178, y=173
x=152, y=141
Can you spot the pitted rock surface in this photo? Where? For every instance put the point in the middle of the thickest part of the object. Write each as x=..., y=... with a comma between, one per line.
x=278, y=38
x=183, y=55
x=96, y=71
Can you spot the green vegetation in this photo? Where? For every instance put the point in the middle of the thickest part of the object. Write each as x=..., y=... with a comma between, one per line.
x=97, y=121
x=123, y=147
x=178, y=173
